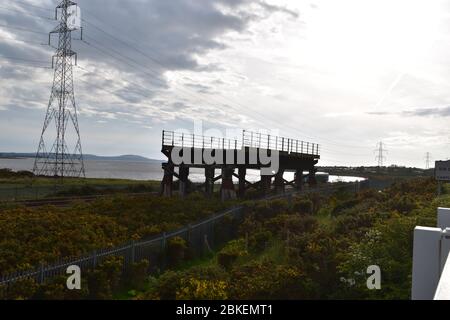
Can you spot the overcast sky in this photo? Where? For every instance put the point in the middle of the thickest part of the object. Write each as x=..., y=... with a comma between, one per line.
x=346, y=74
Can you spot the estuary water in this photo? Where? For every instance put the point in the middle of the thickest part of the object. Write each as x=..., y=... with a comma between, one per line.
x=141, y=170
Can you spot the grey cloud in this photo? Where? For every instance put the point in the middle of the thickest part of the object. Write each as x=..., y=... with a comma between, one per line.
x=378, y=113
x=147, y=39
x=418, y=112
x=275, y=8
x=429, y=112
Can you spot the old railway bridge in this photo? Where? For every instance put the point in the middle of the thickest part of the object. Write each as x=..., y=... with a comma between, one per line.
x=232, y=158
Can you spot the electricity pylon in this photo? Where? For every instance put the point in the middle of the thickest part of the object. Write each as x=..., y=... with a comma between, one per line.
x=427, y=160
x=65, y=157
x=380, y=156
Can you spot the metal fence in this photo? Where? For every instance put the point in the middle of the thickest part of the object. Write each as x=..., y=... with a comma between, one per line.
x=249, y=139
x=266, y=141
x=187, y=140
x=201, y=237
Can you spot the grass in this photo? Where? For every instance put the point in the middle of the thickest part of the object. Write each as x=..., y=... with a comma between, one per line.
x=26, y=188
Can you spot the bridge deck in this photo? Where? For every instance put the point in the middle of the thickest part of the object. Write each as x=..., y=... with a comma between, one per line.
x=292, y=153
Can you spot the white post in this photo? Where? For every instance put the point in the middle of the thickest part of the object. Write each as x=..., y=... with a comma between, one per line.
x=426, y=262
x=443, y=218
x=443, y=289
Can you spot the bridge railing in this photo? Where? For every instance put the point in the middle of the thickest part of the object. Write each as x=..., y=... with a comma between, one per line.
x=188, y=140
x=249, y=139
x=266, y=141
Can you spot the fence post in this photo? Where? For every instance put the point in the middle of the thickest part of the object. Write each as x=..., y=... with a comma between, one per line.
x=133, y=251
x=213, y=230
x=94, y=262
x=41, y=273
x=289, y=198
x=164, y=240
x=189, y=231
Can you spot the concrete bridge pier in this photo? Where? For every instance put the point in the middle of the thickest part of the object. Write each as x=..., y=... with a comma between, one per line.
x=167, y=182
x=279, y=181
x=266, y=182
x=298, y=179
x=209, y=180
x=242, y=172
x=184, y=180
x=312, y=181
x=227, y=191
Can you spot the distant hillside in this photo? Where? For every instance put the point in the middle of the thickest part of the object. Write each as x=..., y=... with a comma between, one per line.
x=14, y=155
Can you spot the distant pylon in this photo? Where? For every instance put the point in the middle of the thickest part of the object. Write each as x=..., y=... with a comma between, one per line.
x=427, y=160
x=380, y=153
x=65, y=158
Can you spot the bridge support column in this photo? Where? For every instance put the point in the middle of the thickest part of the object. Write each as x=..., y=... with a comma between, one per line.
x=167, y=182
x=209, y=180
x=242, y=173
x=299, y=179
x=184, y=175
x=279, y=181
x=312, y=181
x=266, y=182
x=227, y=190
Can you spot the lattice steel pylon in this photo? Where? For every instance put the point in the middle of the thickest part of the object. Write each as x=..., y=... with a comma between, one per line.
x=65, y=158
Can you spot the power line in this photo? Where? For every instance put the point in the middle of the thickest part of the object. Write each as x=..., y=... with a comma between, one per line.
x=21, y=59
x=240, y=106
x=22, y=29
x=26, y=13
x=239, y=110
x=34, y=6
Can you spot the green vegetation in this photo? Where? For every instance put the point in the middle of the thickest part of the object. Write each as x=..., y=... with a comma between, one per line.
x=29, y=236
x=23, y=185
x=312, y=247
x=317, y=248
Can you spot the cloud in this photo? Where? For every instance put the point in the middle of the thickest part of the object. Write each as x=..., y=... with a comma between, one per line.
x=129, y=48
x=418, y=112
x=429, y=112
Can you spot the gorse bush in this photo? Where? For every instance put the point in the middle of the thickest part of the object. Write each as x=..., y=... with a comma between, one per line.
x=231, y=252
x=176, y=250
x=31, y=236
x=316, y=251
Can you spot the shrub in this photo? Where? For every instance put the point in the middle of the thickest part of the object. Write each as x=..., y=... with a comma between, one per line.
x=137, y=274
x=259, y=240
x=168, y=285
x=21, y=290
x=105, y=279
x=56, y=289
x=344, y=205
x=303, y=206
x=266, y=280
x=176, y=249
x=198, y=289
x=291, y=223
x=229, y=254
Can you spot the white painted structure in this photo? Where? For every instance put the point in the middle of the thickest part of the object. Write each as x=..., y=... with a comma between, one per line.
x=431, y=272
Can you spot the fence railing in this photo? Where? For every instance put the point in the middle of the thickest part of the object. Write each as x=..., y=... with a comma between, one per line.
x=187, y=140
x=249, y=139
x=270, y=142
x=200, y=236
